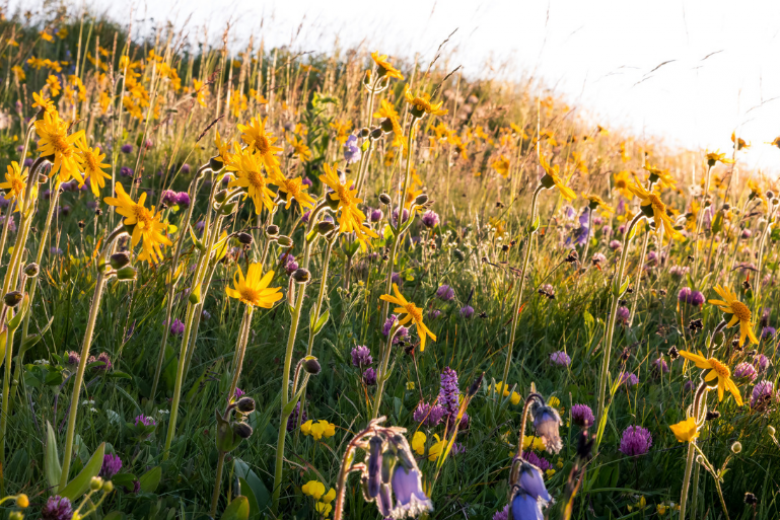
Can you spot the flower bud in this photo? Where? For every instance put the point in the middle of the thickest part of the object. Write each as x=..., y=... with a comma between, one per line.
x=272, y=230
x=242, y=430
x=284, y=241
x=387, y=125
x=364, y=133
x=245, y=238
x=376, y=133
x=301, y=275
x=421, y=199
x=32, y=270
x=324, y=227
x=770, y=430
x=108, y=487
x=126, y=274
x=221, y=196
x=245, y=405
x=384, y=198
x=119, y=260
x=736, y=447
x=22, y=500
x=459, y=255
x=311, y=365
x=96, y=483
x=12, y=299
x=16, y=515
x=216, y=164
x=228, y=209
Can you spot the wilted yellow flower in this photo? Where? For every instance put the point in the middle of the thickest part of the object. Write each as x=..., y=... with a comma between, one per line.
x=435, y=451
x=716, y=370
x=652, y=206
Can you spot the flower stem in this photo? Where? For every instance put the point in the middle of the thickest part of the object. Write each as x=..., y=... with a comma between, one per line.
x=382, y=375
x=521, y=285
x=686, y=478
x=699, y=223
x=217, y=484
x=238, y=361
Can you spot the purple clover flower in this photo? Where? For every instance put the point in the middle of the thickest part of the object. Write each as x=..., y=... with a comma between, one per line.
x=430, y=219
x=57, y=508
x=361, y=356
x=376, y=215
x=768, y=332
x=445, y=293
x=369, y=377
x=660, y=366
x=623, y=313
x=628, y=379
x=145, y=420
x=127, y=148
x=111, y=466
x=540, y=462
x=763, y=395
x=430, y=415
x=400, y=334
x=560, y=358
x=467, y=311
x=761, y=362
x=582, y=415
x=636, y=441
x=177, y=327
x=292, y=421
x=745, y=372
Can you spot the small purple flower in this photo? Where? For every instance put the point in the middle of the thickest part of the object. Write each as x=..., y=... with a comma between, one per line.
x=200, y=226
x=660, y=366
x=560, y=358
x=397, y=279
x=623, y=314
x=361, y=356
x=126, y=171
x=746, y=233
x=433, y=314
x=768, y=332
x=145, y=420
x=763, y=395
x=177, y=327
x=127, y=148
x=102, y=358
x=430, y=219
x=369, y=377
x=445, y=293
x=696, y=299
x=615, y=245
x=11, y=223
x=678, y=272
x=652, y=259
x=745, y=372
x=352, y=151
x=448, y=392
x=467, y=311
x=306, y=181
x=239, y=393
x=292, y=421
x=305, y=217
x=401, y=333
x=430, y=415
x=540, y=462
x=111, y=466
x=607, y=231
x=148, y=144
x=183, y=200
x=761, y=362
x=636, y=440
x=628, y=379
x=55, y=250
x=376, y=215
x=57, y=508
x=185, y=168
x=503, y=514
x=684, y=294
x=688, y=386
x=598, y=259
x=582, y=415
x=395, y=216
x=72, y=358
x=169, y=197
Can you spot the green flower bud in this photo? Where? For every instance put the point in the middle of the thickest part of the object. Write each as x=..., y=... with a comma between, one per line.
x=384, y=198
x=96, y=483
x=325, y=227
x=108, y=487
x=221, y=196
x=284, y=241
x=311, y=365
x=12, y=299
x=126, y=274
x=119, y=260
x=32, y=270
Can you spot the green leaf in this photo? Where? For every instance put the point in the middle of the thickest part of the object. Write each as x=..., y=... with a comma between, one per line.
x=79, y=485
x=624, y=286
x=323, y=319
x=151, y=479
x=259, y=490
x=536, y=224
x=246, y=490
x=238, y=509
x=114, y=515
x=33, y=339
x=51, y=459
x=717, y=222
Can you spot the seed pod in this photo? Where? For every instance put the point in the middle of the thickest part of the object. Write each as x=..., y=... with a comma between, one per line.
x=272, y=230
x=384, y=198
x=325, y=227
x=245, y=405
x=421, y=199
x=364, y=133
x=12, y=299
x=245, y=238
x=376, y=133
x=387, y=125
x=242, y=430
x=311, y=365
x=284, y=241
x=301, y=275
x=32, y=270
x=216, y=164
x=126, y=274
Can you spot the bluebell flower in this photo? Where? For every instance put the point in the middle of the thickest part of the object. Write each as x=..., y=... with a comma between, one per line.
x=352, y=151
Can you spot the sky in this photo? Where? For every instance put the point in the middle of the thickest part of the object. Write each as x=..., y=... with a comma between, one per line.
x=688, y=71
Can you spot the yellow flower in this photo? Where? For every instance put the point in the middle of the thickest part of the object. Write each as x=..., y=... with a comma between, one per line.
x=319, y=429
x=200, y=92
x=54, y=85
x=19, y=73
x=597, y=202
x=330, y=496
x=657, y=174
x=410, y=385
x=550, y=472
x=716, y=370
x=295, y=189
x=435, y=450
x=248, y=167
x=300, y=149
x=323, y=508
x=554, y=401
x=350, y=217
x=146, y=225
x=533, y=443
x=92, y=161
x=22, y=501
x=741, y=313
x=422, y=104
x=621, y=182
x=253, y=290
x=223, y=147
x=384, y=68
x=15, y=183
x=714, y=157
x=342, y=128
x=552, y=178
x=55, y=141
x=254, y=135
x=409, y=312
x=418, y=443
x=739, y=141
x=652, y=206
x=387, y=111
x=686, y=430
x=501, y=165
x=314, y=489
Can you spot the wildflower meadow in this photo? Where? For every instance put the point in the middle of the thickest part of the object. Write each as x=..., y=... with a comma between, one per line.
x=258, y=284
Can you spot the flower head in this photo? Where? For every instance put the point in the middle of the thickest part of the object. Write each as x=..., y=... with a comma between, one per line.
x=741, y=313
x=15, y=183
x=421, y=104
x=636, y=440
x=763, y=395
x=552, y=178
x=146, y=225
x=352, y=151
x=111, y=466
x=296, y=189
x=547, y=422
x=55, y=141
x=384, y=68
x=410, y=313
x=361, y=356
x=582, y=415
x=57, y=508
x=253, y=290
x=350, y=217
x=92, y=162
x=715, y=370
x=449, y=392
x=261, y=144
x=560, y=358
x=652, y=206
x=248, y=168
x=686, y=430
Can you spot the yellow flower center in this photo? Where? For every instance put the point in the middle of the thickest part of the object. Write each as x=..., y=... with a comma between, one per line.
x=143, y=216
x=621, y=184
x=255, y=179
x=741, y=311
x=719, y=368
x=414, y=311
x=59, y=142
x=656, y=202
x=262, y=144
x=17, y=185
x=248, y=294
x=344, y=195
x=92, y=164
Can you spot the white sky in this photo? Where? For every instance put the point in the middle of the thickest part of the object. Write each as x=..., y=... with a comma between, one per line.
x=600, y=53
